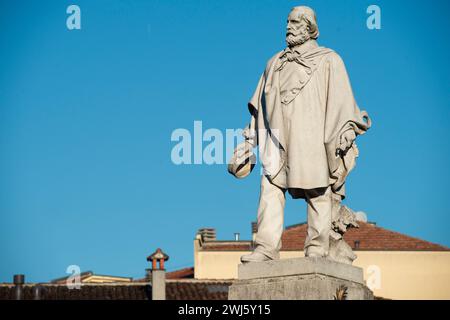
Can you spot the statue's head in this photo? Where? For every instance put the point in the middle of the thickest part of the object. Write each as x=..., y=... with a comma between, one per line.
x=301, y=26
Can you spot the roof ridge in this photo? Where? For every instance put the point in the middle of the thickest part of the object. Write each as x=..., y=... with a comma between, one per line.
x=295, y=225
x=406, y=235
x=81, y=274
x=201, y=280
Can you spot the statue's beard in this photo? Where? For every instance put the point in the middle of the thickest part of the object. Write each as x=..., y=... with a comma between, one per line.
x=294, y=39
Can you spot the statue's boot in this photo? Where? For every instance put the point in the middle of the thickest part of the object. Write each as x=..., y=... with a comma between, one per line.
x=255, y=256
x=314, y=255
x=315, y=252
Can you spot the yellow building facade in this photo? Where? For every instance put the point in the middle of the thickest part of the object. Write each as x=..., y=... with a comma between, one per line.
x=395, y=266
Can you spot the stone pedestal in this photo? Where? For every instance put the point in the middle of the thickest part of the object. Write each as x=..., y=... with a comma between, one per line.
x=299, y=279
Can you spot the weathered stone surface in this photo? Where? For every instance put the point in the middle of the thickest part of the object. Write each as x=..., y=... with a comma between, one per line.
x=300, y=266
x=301, y=287
x=299, y=279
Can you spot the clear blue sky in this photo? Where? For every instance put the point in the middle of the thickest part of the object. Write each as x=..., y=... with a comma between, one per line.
x=86, y=118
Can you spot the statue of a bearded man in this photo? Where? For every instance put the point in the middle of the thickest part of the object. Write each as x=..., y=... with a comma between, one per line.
x=305, y=120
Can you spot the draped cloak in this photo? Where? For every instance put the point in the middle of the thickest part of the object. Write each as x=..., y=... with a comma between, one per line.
x=298, y=123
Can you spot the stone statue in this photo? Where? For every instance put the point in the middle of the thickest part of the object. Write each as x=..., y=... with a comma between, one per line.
x=304, y=120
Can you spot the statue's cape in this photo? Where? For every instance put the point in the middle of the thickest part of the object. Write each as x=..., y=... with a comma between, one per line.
x=342, y=113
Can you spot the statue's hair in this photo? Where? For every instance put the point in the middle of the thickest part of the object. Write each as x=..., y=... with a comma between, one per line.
x=309, y=16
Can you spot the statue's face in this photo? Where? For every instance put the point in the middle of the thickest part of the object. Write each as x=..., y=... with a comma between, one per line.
x=297, y=31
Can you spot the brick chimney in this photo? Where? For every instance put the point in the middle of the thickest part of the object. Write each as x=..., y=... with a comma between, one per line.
x=158, y=275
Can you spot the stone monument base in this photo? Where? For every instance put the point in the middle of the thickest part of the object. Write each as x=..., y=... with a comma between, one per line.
x=299, y=279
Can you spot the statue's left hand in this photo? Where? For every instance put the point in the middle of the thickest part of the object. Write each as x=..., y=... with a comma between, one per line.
x=346, y=140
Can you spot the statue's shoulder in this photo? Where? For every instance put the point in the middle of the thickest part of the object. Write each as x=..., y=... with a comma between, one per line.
x=273, y=60
x=274, y=57
x=332, y=56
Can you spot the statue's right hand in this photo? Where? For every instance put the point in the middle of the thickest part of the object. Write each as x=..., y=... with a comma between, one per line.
x=242, y=151
x=243, y=160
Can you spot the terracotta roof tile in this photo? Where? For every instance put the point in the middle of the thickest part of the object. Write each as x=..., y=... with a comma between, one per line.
x=175, y=290
x=368, y=236
x=197, y=290
x=186, y=273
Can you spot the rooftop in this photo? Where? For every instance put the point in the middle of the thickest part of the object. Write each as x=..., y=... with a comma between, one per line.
x=367, y=237
x=175, y=290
